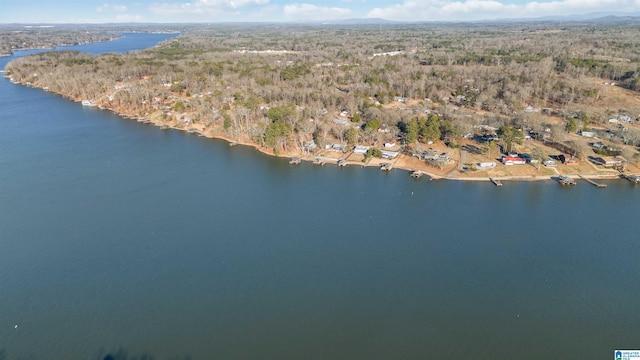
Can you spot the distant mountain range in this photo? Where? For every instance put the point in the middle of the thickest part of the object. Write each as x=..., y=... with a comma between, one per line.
x=612, y=17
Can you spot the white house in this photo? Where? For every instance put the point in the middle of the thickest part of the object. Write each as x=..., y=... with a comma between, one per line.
x=360, y=149
x=513, y=160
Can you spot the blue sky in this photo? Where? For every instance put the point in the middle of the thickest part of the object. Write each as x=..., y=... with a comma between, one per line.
x=94, y=11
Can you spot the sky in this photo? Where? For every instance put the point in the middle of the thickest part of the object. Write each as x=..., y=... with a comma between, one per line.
x=212, y=11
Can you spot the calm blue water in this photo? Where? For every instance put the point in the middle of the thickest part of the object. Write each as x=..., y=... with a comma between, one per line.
x=117, y=235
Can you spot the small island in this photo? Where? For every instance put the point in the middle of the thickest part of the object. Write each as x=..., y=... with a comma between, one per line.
x=510, y=101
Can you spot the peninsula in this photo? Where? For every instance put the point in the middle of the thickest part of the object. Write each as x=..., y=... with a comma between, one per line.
x=524, y=101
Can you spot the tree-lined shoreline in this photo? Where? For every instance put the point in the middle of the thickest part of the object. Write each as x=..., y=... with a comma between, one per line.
x=298, y=91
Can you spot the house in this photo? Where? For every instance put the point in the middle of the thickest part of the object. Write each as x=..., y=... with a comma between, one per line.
x=341, y=121
x=486, y=165
x=389, y=144
x=337, y=147
x=567, y=160
x=587, y=134
x=360, y=149
x=606, y=161
x=597, y=145
x=310, y=145
x=549, y=163
x=387, y=154
x=513, y=160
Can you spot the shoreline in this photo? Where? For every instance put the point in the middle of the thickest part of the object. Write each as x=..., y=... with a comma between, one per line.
x=12, y=53
x=450, y=174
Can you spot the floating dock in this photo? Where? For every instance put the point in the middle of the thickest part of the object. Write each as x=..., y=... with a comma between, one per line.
x=598, y=185
x=386, y=167
x=496, y=182
x=342, y=162
x=416, y=174
x=318, y=161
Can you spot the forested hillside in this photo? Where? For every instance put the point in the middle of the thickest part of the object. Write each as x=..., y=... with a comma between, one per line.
x=282, y=85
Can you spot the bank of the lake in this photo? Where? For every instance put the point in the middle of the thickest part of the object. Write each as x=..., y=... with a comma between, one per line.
x=116, y=235
x=453, y=171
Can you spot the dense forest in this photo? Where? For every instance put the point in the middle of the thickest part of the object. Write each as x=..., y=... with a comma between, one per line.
x=281, y=86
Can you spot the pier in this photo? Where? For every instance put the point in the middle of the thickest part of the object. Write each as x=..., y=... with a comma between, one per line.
x=566, y=180
x=598, y=185
x=496, y=182
x=635, y=179
x=295, y=161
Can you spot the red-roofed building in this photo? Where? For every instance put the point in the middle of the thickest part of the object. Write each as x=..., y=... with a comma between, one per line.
x=513, y=160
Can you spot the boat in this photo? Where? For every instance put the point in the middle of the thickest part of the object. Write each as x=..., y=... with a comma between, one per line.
x=88, y=103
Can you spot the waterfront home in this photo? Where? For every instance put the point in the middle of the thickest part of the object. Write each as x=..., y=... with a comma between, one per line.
x=337, y=147
x=513, y=160
x=587, y=134
x=606, y=161
x=360, y=149
x=387, y=154
x=486, y=165
x=310, y=146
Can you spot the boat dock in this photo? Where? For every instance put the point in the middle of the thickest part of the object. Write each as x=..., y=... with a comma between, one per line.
x=386, y=166
x=565, y=180
x=633, y=178
x=598, y=185
x=342, y=163
x=318, y=161
x=496, y=182
x=295, y=161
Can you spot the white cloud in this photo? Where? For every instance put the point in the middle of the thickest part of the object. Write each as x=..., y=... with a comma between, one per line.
x=111, y=7
x=434, y=10
x=205, y=7
x=314, y=12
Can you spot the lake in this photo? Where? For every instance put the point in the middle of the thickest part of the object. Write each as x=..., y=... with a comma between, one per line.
x=119, y=238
